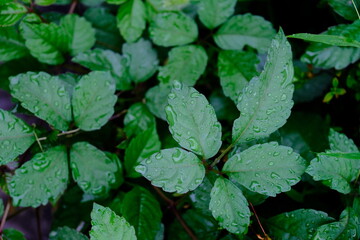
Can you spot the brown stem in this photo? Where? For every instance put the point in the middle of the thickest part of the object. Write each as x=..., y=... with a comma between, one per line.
x=60, y=134
x=258, y=220
x=73, y=6
x=115, y=116
x=6, y=212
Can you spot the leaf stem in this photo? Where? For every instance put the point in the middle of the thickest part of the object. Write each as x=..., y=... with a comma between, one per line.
x=73, y=6
x=257, y=219
x=61, y=134
x=6, y=212
x=357, y=11
x=38, y=141
x=217, y=160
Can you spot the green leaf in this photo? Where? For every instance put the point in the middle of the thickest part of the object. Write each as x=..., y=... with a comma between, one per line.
x=143, y=61
x=93, y=100
x=229, y=206
x=340, y=142
x=337, y=172
x=131, y=19
x=91, y=3
x=94, y=171
x=140, y=148
x=16, y=136
x=213, y=13
x=192, y=121
x=81, y=35
x=107, y=60
x=107, y=225
x=66, y=233
x=45, y=96
x=265, y=103
x=156, y=100
x=1, y=208
x=42, y=179
x=200, y=197
x=44, y=2
x=12, y=234
x=339, y=41
x=168, y=5
x=12, y=45
x=141, y=209
x=236, y=69
x=247, y=29
x=10, y=13
x=185, y=64
x=344, y=8
x=266, y=168
x=174, y=170
x=138, y=119
x=298, y=224
x=117, y=2
x=173, y=29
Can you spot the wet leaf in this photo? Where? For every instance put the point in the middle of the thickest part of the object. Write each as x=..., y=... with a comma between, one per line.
x=340, y=142
x=66, y=233
x=156, y=100
x=213, y=13
x=138, y=119
x=339, y=41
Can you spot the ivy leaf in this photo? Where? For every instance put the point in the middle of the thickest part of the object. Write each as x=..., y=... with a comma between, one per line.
x=236, y=69
x=344, y=8
x=66, y=233
x=141, y=209
x=131, y=20
x=192, y=121
x=94, y=171
x=16, y=136
x=45, y=96
x=10, y=13
x=340, y=142
x=298, y=224
x=107, y=225
x=156, y=100
x=140, y=148
x=42, y=179
x=339, y=41
x=143, y=61
x=138, y=119
x=213, y=13
x=174, y=170
x=93, y=100
x=266, y=168
x=185, y=64
x=107, y=60
x=12, y=234
x=81, y=35
x=12, y=45
x=173, y=29
x=247, y=29
x=265, y=103
x=229, y=206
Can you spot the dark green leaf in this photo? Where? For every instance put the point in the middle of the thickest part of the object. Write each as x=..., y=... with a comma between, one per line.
x=340, y=142
x=339, y=41
x=156, y=100
x=344, y=8
x=117, y=2
x=201, y=195
x=12, y=234
x=44, y=2
x=10, y=13
x=212, y=13
x=12, y=45
x=138, y=119
x=66, y=233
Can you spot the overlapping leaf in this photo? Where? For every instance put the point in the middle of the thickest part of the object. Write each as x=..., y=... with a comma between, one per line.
x=168, y=5
x=12, y=45
x=68, y=234
x=340, y=142
x=138, y=119
x=344, y=8
x=156, y=100
x=10, y=13
x=212, y=13
x=333, y=40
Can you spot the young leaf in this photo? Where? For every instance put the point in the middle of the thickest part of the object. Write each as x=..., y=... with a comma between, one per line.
x=93, y=170
x=173, y=29
x=156, y=100
x=107, y=225
x=12, y=234
x=138, y=119
x=174, y=170
x=344, y=8
x=185, y=64
x=141, y=209
x=298, y=224
x=339, y=41
x=229, y=206
x=12, y=45
x=242, y=30
x=266, y=168
x=45, y=96
x=143, y=61
x=93, y=100
x=10, y=13
x=265, y=103
x=66, y=233
x=16, y=136
x=192, y=121
x=107, y=60
x=131, y=19
x=42, y=179
x=339, y=142
x=213, y=13
x=236, y=69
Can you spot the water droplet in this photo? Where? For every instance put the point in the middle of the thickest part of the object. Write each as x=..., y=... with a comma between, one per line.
x=177, y=85
x=177, y=156
x=283, y=97
x=274, y=175
x=61, y=91
x=158, y=156
x=140, y=169
x=256, y=129
x=193, y=144
x=275, y=154
x=271, y=163
x=171, y=96
x=40, y=164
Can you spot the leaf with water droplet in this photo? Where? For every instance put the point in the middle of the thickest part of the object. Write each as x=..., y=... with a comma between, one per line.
x=174, y=170
x=156, y=100
x=229, y=206
x=260, y=103
x=266, y=168
x=94, y=171
x=192, y=121
x=42, y=179
x=67, y=233
x=138, y=119
x=341, y=143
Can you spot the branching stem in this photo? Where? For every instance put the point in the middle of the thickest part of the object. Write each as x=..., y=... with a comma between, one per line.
x=60, y=134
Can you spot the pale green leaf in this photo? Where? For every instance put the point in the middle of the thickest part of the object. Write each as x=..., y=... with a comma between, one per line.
x=213, y=13
x=266, y=102
x=236, y=69
x=10, y=13
x=229, y=206
x=12, y=234
x=94, y=171
x=242, y=30
x=107, y=225
x=141, y=209
x=344, y=8
x=66, y=233
x=42, y=179
x=44, y=2
x=266, y=168
x=93, y=100
x=45, y=96
x=16, y=136
x=174, y=170
x=156, y=100
x=333, y=40
x=138, y=119
x=168, y=5
x=340, y=142
x=173, y=29
x=185, y=64
x=131, y=19
x=12, y=45
x=192, y=121
x=143, y=61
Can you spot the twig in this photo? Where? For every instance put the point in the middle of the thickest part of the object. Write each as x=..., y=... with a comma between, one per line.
x=258, y=220
x=115, y=116
x=38, y=141
x=61, y=134
x=73, y=6
x=38, y=223
x=357, y=11
x=6, y=212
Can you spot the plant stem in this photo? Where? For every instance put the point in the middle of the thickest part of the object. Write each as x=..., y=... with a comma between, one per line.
x=115, y=116
x=258, y=220
x=62, y=134
x=38, y=141
x=73, y=6
x=357, y=12
x=6, y=212
x=217, y=160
